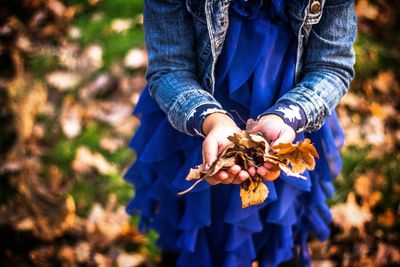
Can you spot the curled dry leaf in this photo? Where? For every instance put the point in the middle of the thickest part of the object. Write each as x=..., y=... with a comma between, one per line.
x=252, y=150
x=196, y=172
x=221, y=163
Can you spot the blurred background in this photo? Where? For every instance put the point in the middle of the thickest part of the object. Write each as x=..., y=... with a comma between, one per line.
x=71, y=73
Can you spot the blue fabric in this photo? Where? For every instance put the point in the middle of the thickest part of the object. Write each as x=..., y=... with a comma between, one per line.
x=208, y=226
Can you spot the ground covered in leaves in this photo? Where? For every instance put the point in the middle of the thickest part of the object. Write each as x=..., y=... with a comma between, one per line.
x=72, y=72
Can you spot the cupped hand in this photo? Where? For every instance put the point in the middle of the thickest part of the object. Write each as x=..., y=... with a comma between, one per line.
x=276, y=131
x=217, y=128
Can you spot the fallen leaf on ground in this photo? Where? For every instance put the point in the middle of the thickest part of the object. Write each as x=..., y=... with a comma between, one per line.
x=86, y=160
x=136, y=58
x=63, y=80
x=130, y=260
x=349, y=214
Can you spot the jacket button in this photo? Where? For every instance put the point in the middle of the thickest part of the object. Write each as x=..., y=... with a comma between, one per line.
x=315, y=7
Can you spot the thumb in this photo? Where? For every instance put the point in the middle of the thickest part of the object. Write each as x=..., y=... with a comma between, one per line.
x=285, y=136
x=210, y=152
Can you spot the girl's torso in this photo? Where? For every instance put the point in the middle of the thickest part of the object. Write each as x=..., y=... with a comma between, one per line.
x=210, y=21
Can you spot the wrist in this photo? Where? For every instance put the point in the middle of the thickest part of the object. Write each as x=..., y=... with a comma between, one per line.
x=290, y=113
x=271, y=117
x=215, y=120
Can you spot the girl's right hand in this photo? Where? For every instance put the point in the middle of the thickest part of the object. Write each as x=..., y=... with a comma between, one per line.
x=217, y=127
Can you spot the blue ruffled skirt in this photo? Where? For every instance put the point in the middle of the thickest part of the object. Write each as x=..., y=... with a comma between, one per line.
x=208, y=226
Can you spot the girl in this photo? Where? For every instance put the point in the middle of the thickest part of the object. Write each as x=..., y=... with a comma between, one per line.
x=284, y=63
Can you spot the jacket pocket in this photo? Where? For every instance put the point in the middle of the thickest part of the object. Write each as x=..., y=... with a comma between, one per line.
x=197, y=9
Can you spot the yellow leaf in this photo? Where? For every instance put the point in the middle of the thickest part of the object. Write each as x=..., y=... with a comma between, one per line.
x=300, y=155
x=256, y=194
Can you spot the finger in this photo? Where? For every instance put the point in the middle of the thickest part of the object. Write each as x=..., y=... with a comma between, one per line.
x=243, y=175
x=254, y=128
x=262, y=170
x=233, y=170
x=222, y=175
x=258, y=127
x=285, y=136
x=213, y=180
x=210, y=152
x=230, y=180
x=250, y=124
x=269, y=165
x=237, y=180
x=252, y=171
x=272, y=175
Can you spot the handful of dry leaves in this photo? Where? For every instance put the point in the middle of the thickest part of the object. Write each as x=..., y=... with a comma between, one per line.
x=251, y=149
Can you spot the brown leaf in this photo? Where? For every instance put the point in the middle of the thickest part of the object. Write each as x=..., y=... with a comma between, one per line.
x=82, y=252
x=256, y=194
x=71, y=118
x=350, y=214
x=63, y=80
x=86, y=160
x=130, y=260
x=274, y=159
x=387, y=219
x=195, y=173
x=235, y=138
x=105, y=225
x=258, y=138
x=111, y=144
x=66, y=255
x=102, y=260
x=300, y=155
x=220, y=163
x=272, y=174
x=261, y=142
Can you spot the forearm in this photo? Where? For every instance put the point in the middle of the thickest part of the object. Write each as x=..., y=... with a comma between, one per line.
x=328, y=65
x=171, y=71
x=317, y=94
x=183, y=100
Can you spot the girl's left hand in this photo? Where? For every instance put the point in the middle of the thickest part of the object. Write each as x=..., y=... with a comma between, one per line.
x=276, y=131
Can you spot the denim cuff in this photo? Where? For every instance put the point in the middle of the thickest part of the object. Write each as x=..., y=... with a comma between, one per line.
x=194, y=124
x=290, y=112
x=185, y=105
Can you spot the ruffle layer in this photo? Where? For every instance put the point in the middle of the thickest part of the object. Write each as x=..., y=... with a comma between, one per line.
x=190, y=223
x=208, y=226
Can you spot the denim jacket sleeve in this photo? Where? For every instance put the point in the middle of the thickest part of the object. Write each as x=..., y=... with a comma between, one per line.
x=328, y=64
x=171, y=71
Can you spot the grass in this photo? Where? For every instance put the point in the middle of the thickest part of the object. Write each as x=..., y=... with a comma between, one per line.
x=95, y=24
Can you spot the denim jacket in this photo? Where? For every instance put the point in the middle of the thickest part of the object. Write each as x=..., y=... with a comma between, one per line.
x=185, y=37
